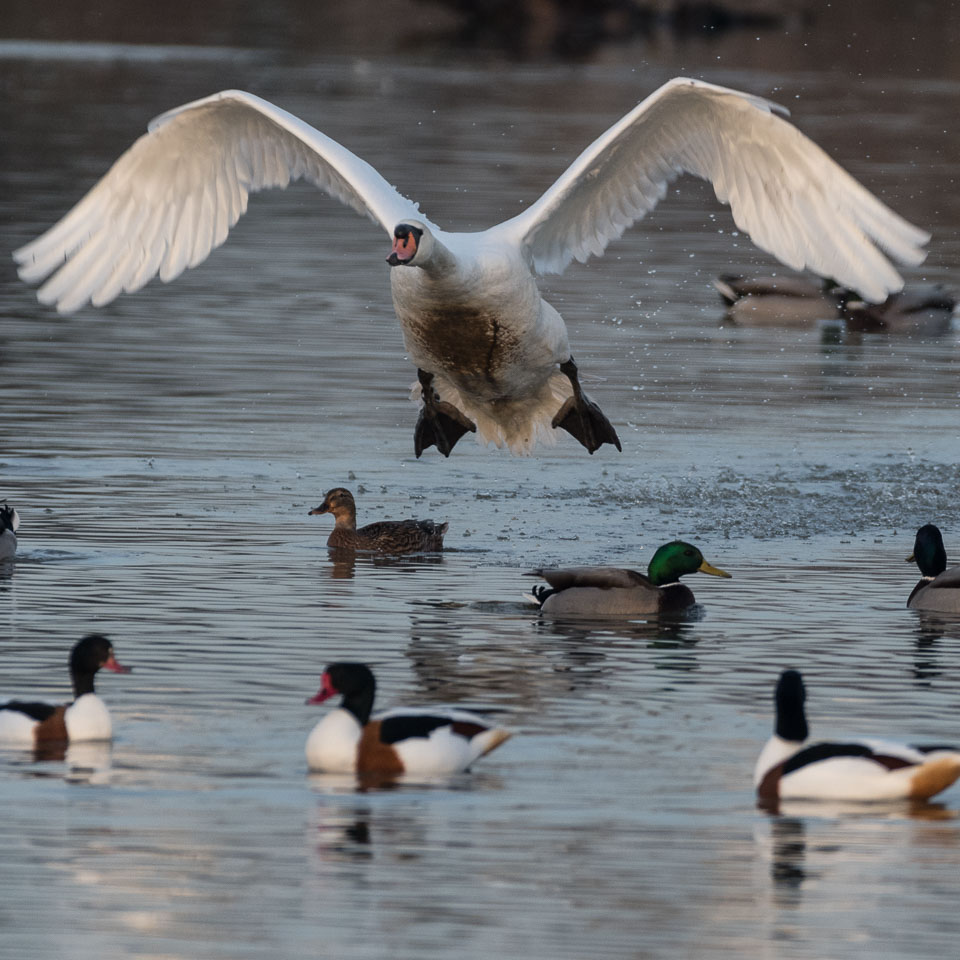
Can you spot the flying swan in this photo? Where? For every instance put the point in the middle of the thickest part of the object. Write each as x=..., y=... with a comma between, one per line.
x=492, y=356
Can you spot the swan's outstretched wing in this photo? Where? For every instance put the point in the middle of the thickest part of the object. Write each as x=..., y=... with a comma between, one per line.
x=783, y=190
x=174, y=195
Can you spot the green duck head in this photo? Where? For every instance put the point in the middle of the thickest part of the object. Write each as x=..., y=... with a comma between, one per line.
x=676, y=559
x=929, y=552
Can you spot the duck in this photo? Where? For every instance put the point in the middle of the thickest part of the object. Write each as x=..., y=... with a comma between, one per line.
x=9, y=522
x=790, y=767
x=85, y=718
x=797, y=301
x=925, y=309
x=615, y=591
x=387, y=536
x=493, y=357
x=938, y=589
x=776, y=301
x=431, y=740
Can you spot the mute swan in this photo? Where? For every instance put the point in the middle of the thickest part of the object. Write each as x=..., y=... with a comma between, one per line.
x=789, y=767
x=429, y=740
x=491, y=355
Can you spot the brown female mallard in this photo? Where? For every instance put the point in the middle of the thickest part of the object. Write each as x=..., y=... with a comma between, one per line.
x=387, y=536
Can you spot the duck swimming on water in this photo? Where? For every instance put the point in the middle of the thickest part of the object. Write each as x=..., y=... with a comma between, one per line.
x=386, y=536
x=492, y=356
x=424, y=740
x=9, y=522
x=789, y=767
x=938, y=589
x=86, y=718
x=613, y=591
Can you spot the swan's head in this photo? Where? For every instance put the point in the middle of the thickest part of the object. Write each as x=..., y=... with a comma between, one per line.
x=412, y=242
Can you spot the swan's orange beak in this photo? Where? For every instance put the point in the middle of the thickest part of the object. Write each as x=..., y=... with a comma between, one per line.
x=404, y=250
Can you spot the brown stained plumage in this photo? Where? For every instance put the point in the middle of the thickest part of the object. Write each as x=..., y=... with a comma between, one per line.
x=373, y=755
x=933, y=776
x=386, y=536
x=53, y=728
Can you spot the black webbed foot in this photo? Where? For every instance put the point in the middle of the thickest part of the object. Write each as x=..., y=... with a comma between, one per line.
x=440, y=424
x=582, y=418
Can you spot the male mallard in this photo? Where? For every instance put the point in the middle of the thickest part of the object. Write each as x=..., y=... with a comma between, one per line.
x=387, y=536
x=777, y=301
x=859, y=770
x=600, y=591
x=938, y=590
x=920, y=309
x=9, y=521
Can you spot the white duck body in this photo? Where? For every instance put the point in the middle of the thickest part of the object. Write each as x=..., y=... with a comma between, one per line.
x=874, y=777
x=861, y=770
x=88, y=718
x=334, y=744
x=16, y=727
x=472, y=315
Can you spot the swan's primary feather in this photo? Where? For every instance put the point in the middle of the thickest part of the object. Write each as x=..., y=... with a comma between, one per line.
x=175, y=194
x=783, y=190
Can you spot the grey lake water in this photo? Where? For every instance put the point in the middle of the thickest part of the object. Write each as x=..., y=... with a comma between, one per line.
x=163, y=453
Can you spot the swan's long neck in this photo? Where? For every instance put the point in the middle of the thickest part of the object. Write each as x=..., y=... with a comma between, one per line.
x=439, y=262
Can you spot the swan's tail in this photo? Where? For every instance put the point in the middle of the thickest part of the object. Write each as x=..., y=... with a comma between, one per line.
x=519, y=425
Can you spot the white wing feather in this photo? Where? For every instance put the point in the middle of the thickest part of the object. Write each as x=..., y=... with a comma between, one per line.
x=175, y=194
x=783, y=190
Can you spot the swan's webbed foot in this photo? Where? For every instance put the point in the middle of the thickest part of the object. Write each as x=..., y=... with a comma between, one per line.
x=440, y=424
x=581, y=417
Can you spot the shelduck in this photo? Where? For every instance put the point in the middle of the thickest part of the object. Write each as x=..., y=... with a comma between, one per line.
x=855, y=770
x=9, y=521
x=403, y=740
x=938, y=589
x=614, y=591
x=86, y=718
x=492, y=356
x=386, y=536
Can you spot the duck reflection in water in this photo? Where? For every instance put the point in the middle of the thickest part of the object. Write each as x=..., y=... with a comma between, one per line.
x=344, y=562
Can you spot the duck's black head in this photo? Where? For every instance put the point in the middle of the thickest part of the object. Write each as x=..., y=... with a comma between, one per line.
x=354, y=682
x=9, y=518
x=789, y=698
x=94, y=652
x=929, y=552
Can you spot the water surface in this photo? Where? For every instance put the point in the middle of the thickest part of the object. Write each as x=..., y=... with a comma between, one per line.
x=164, y=452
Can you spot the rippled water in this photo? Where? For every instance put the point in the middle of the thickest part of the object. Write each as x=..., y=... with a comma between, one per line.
x=163, y=454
